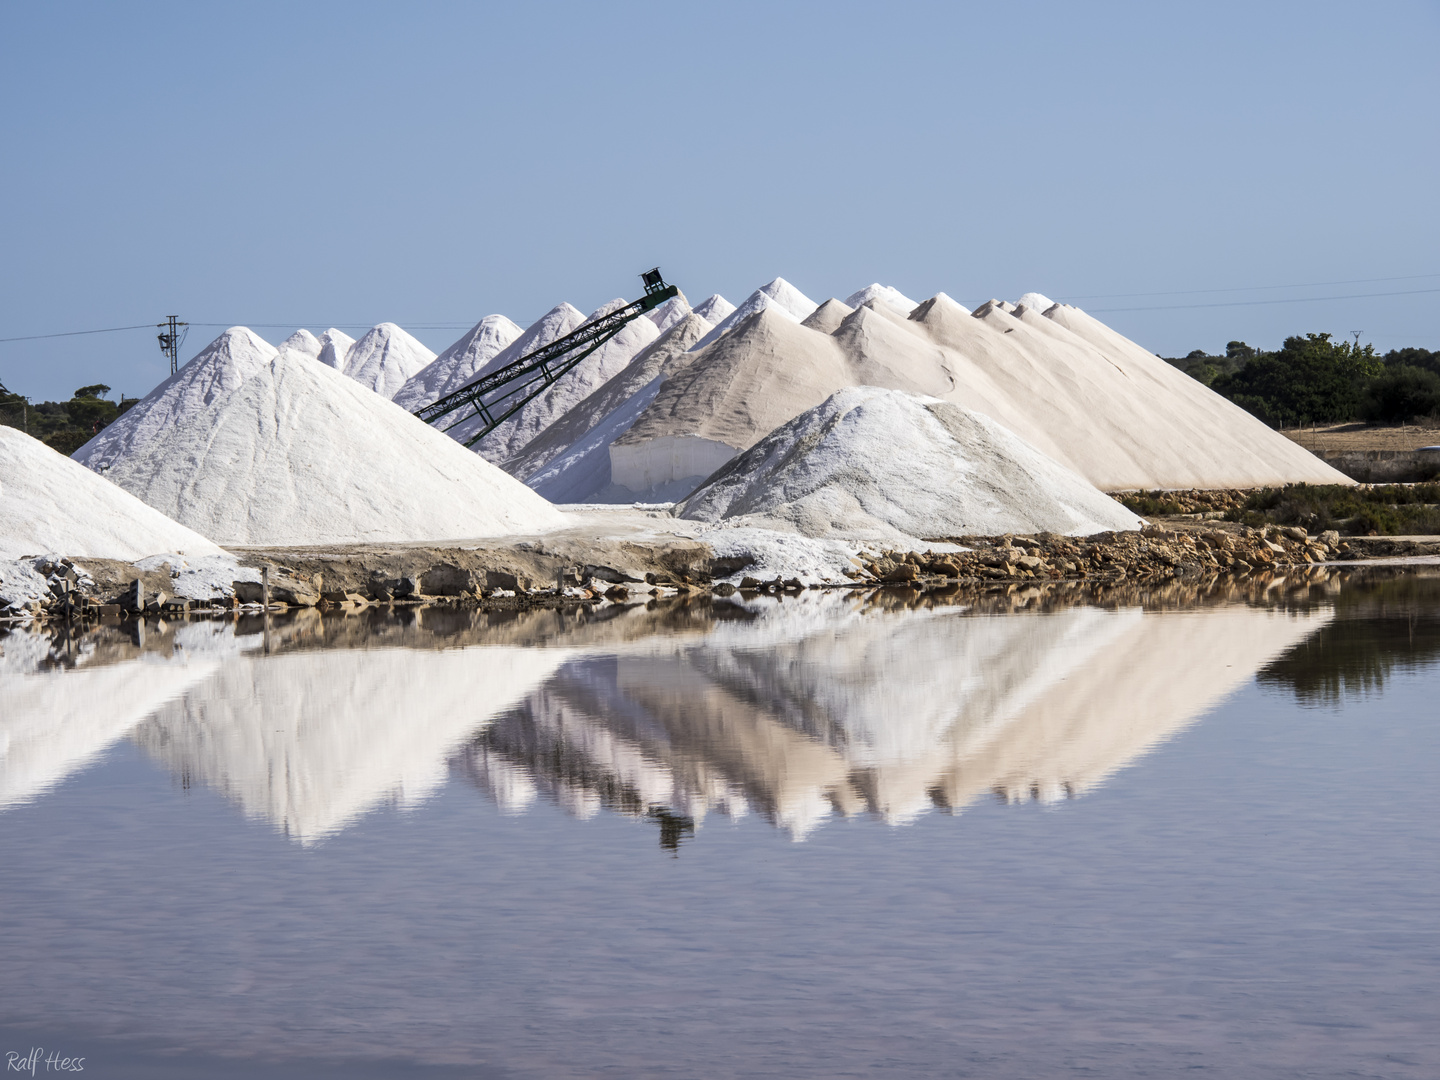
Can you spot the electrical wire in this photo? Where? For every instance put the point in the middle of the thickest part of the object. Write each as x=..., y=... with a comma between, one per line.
x=77, y=333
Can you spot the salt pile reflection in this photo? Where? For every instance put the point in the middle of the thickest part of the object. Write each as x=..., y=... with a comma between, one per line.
x=796, y=710
x=818, y=708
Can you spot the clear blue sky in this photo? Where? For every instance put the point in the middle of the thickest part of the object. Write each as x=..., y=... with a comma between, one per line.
x=429, y=163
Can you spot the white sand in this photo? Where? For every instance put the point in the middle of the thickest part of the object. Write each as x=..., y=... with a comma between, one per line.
x=49, y=504
x=459, y=364
x=565, y=393
x=871, y=462
x=303, y=342
x=386, y=358
x=569, y=462
x=300, y=454
x=335, y=346
x=214, y=371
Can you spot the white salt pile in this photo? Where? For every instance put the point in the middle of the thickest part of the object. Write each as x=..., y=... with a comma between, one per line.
x=714, y=309
x=303, y=342
x=1076, y=390
x=871, y=462
x=214, y=371
x=335, y=346
x=459, y=364
x=883, y=294
x=569, y=462
x=386, y=358
x=565, y=393
x=778, y=295
x=300, y=454
x=51, y=505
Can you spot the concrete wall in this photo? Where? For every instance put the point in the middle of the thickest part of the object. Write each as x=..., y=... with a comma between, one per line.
x=654, y=463
x=1384, y=466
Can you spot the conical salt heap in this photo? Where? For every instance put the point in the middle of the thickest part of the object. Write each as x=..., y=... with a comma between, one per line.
x=50, y=505
x=300, y=454
x=870, y=462
x=459, y=364
x=385, y=359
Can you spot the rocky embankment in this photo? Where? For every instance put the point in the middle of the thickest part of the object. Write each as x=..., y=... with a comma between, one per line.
x=526, y=577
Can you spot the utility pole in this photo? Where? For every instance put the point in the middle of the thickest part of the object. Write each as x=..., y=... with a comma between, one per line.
x=1356, y=334
x=171, y=337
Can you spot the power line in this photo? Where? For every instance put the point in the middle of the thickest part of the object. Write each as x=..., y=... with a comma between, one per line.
x=1249, y=288
x=1255, y=303
x=77, y=333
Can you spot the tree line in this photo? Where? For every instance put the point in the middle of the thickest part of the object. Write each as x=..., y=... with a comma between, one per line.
x=1314, y=380
x=64, y=425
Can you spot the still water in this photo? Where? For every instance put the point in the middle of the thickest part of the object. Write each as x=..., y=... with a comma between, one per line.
x=1028, y=834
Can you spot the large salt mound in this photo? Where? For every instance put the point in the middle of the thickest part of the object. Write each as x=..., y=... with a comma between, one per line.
x=335, y=346
x=868, y=461
x=570, y=460
x=214, y=371
x=386, y=358
x=49, y=504
x=1069, y=385
x=669, y=313
x=554, y=401
x=459, y=364
x=300, y=454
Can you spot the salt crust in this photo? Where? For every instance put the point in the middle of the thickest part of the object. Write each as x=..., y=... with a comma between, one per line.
x=49, y=503
x=459, y=364
x=335, y=348
x=300, y=454
x=385, y=358
x=871, y=463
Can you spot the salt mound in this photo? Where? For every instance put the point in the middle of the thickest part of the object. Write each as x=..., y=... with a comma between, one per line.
x=49, y=504
x=215, y=370
x=883, y=294
x=870, y=461
x=570, y=460
x=595, y=370
x=303, y=342
x=763, y=373
x=778, y=294
x=386, y=358
x=335, y=346
x=458, y=365
x=669, y=313
x=300, y=454
x=714, y=309
x=1036, y=302
x=828, y=316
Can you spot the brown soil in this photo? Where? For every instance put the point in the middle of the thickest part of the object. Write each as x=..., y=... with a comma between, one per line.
x=1365, y=437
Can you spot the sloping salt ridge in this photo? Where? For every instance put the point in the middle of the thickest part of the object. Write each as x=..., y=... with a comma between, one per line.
x=714, y=309
x=386, y=358
x=300, y=454
x=303, y=342
x=870, y=461
x=460, y=364
x=50, y=504
x=884, y=294
x=214, y=371
x=778, y=294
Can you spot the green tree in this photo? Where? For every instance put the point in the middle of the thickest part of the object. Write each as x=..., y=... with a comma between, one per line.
x=1310, y=380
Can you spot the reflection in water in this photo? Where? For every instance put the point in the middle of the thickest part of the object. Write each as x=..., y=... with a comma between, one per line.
x=823, y=709
x=796, y=710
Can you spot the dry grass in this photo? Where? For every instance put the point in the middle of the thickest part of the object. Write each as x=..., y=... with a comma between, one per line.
x=1365, y=437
